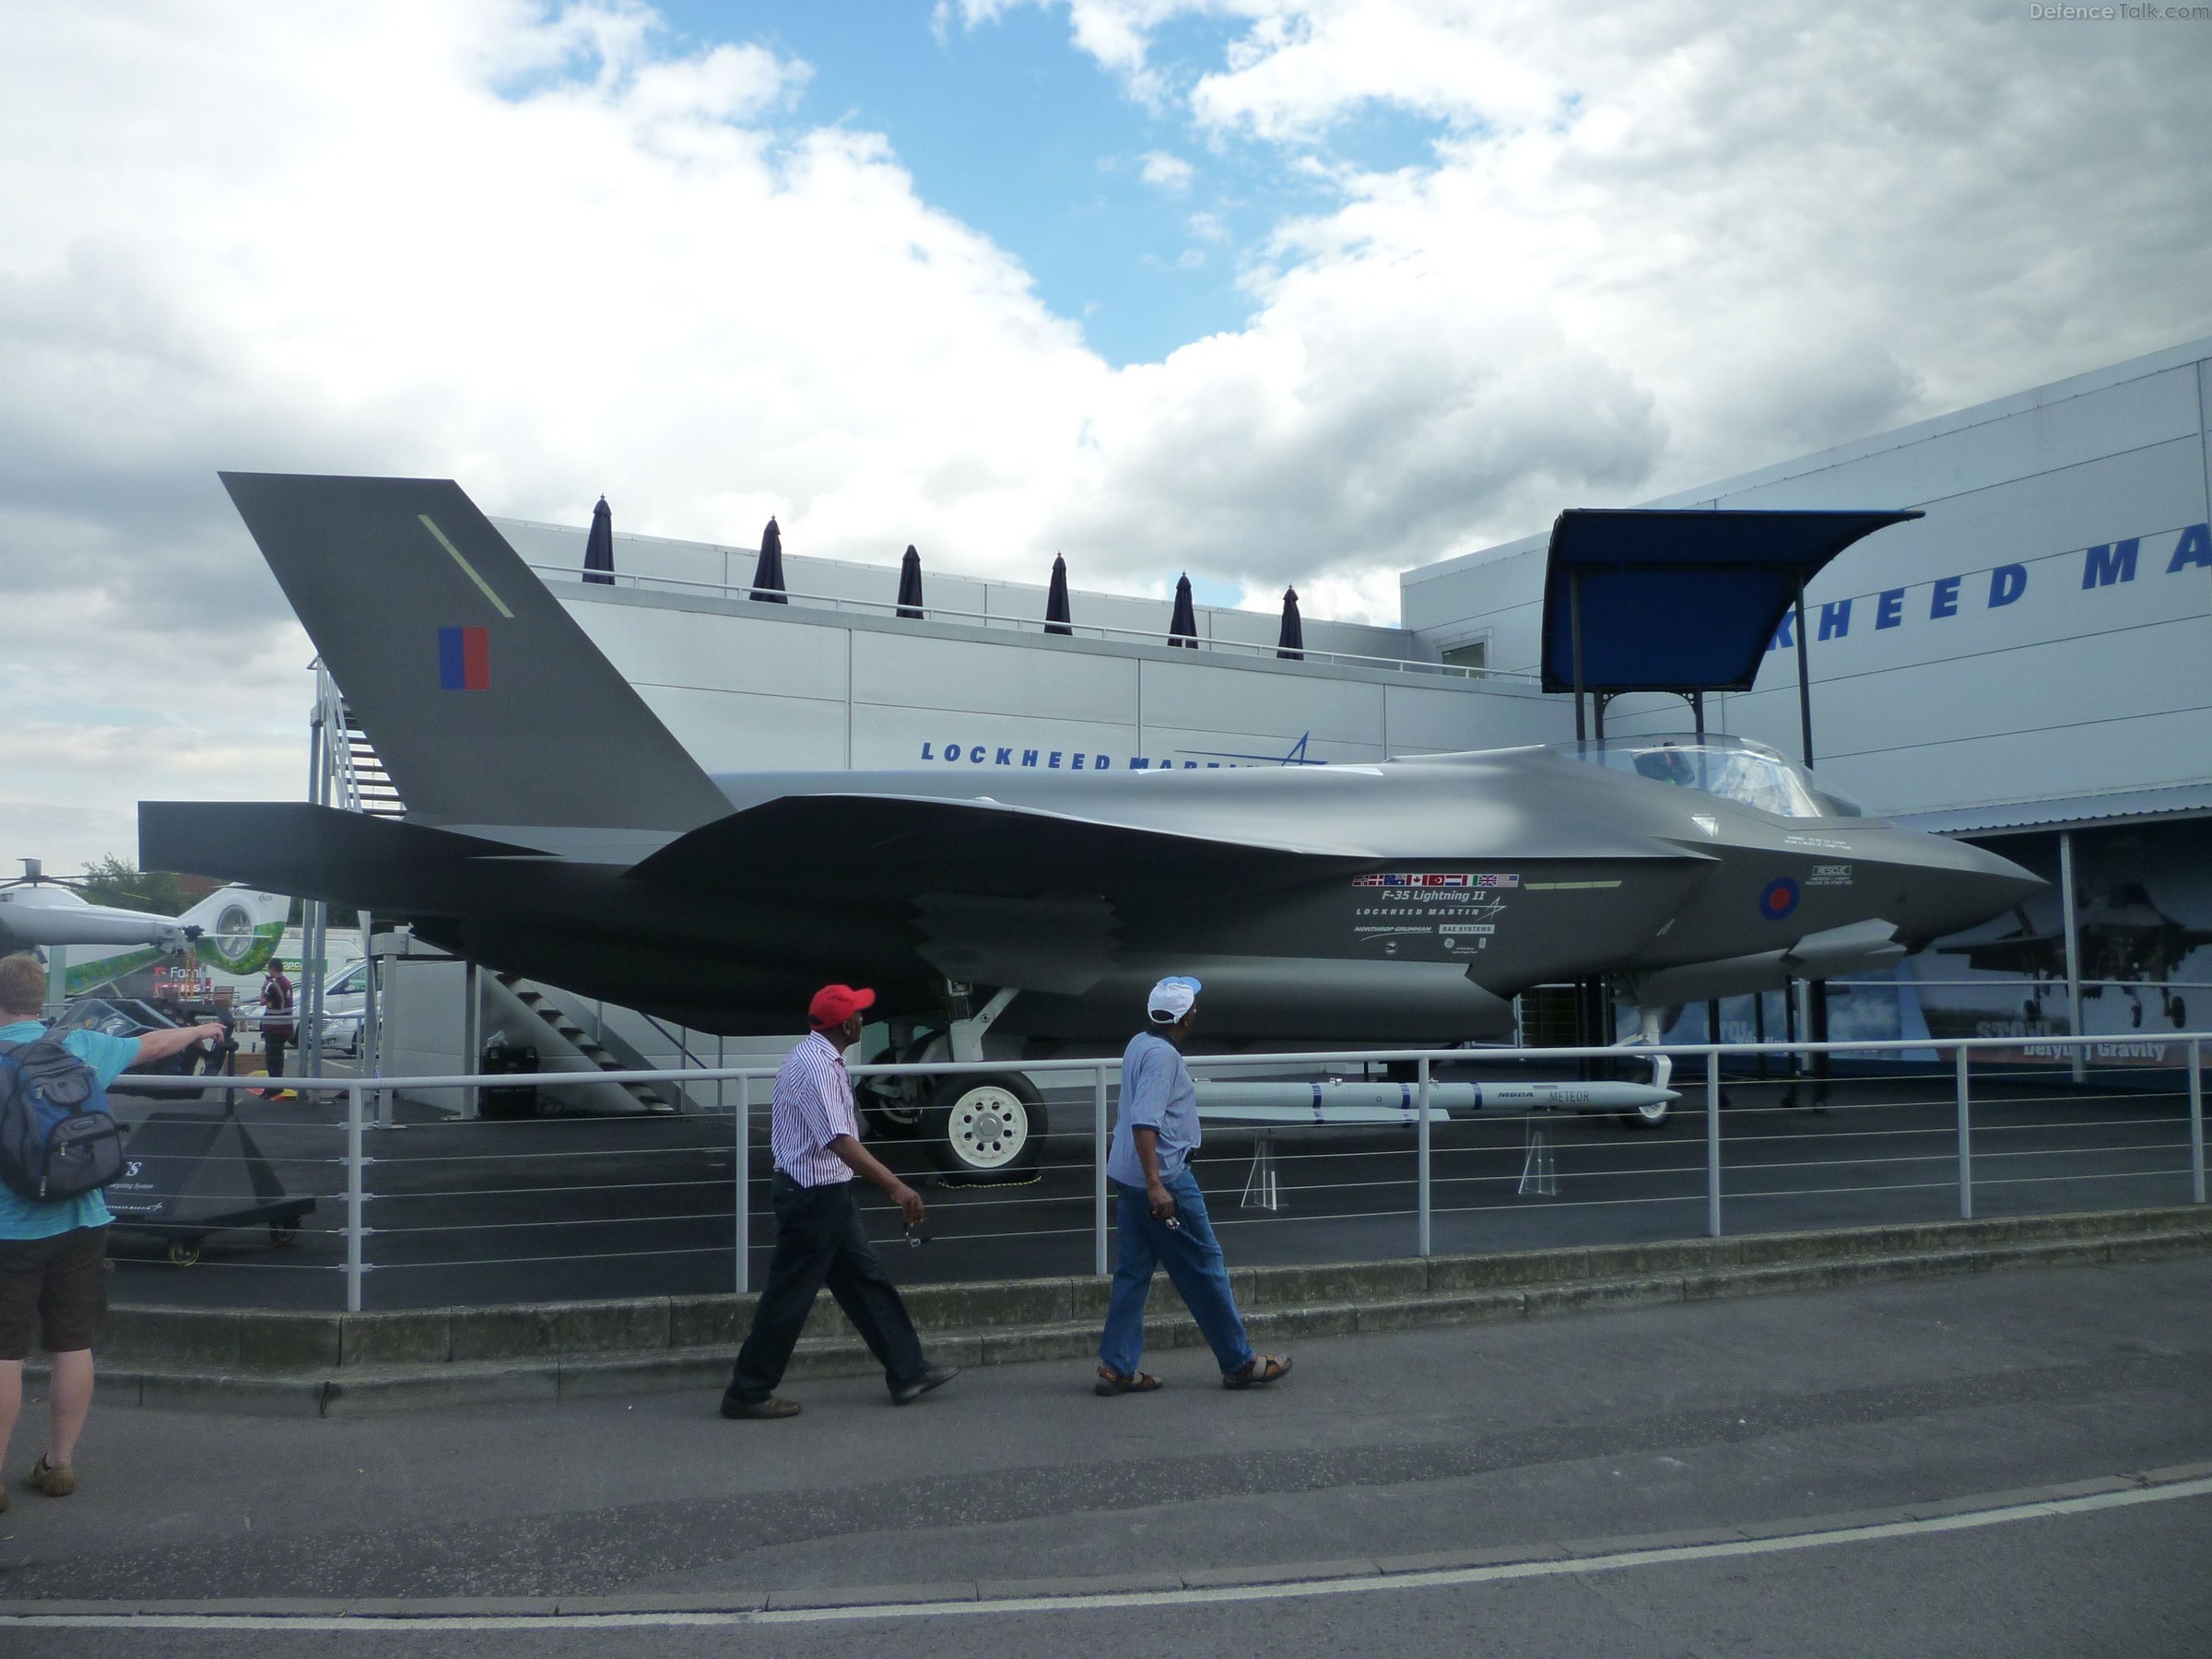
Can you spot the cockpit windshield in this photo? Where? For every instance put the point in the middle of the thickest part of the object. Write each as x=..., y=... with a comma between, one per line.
x=1735, y=769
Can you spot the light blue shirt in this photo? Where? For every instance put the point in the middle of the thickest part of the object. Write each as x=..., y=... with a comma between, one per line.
x=1156, y=1094
x=29, y=1217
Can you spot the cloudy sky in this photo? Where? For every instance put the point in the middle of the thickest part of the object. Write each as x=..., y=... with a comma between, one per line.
x=1268, y=289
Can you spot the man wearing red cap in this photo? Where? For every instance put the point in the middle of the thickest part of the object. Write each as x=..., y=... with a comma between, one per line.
x=819, y=1239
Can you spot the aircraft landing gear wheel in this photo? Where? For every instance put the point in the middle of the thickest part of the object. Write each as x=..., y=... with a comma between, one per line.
x=184, y=1255
x=2180, y=1014
x=283, y=1232
x=895, y=1108
x=2135, y=1017
x=1648, y=1117
x=987, y=1129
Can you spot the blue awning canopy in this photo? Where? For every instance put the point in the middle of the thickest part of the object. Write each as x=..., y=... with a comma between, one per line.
x=1680, y=600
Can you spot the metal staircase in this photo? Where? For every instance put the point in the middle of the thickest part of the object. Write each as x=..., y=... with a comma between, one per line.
x=591, y=1045
x=357, y=780
x=373, y=786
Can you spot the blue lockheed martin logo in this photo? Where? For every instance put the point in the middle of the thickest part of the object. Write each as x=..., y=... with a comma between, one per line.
x=985, y=753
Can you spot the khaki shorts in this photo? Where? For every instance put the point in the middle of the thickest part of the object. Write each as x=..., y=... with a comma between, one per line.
x=53, y=1288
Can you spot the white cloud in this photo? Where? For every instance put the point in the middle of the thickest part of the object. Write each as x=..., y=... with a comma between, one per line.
x=543, y=254
x=1165, y=171
x=1782, y=227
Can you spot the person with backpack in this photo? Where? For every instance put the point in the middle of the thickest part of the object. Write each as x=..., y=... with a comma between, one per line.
x=53, y=1229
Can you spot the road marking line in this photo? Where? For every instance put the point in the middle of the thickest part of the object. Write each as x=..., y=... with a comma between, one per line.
x=1445, y=1578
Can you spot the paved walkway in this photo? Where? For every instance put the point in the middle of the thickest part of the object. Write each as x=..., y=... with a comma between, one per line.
x=1702, y=1419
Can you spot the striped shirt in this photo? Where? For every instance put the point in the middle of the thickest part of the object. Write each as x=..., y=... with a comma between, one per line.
x=813, y=1107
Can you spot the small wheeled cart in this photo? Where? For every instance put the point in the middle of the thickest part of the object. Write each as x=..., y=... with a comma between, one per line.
x=186, y=1175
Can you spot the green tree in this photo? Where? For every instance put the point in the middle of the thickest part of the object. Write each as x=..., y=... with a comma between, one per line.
x=117, y=881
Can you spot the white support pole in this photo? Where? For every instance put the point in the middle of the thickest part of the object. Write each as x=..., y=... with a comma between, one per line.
x=1424, y=1148
x=2073, y=938
x=743, y=1134
x=1098, y=1171
x=1966, y=1143
x=1712, y=1145
x=2196, y=1122
x=472, y=1038
x=356, y=1196
x=372, y=996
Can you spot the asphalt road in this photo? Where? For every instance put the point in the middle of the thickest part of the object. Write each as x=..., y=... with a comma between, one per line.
x=1646, y=1421
x=570, y=1208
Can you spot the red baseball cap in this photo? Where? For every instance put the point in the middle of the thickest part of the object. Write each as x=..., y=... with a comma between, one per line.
x=833, y=1005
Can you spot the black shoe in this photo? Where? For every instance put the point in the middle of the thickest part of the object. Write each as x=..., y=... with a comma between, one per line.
x=936, y=1376
x=775, y=1406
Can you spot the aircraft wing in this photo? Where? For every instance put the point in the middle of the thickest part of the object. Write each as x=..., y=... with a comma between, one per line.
x=858, y=845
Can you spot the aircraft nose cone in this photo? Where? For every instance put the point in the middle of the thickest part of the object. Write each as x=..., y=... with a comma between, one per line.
x=1981, y=885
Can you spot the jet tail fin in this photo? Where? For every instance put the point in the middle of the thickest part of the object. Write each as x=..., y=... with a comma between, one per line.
x=486, y=701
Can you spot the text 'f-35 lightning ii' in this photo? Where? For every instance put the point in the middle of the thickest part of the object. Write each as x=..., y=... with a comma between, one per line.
x=556, y=829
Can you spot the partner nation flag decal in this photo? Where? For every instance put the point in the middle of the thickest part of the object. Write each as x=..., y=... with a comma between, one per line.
x=465, y=659
x=1438, y=879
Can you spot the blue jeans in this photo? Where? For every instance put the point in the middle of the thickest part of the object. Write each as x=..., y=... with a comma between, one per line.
x=1192, y=1258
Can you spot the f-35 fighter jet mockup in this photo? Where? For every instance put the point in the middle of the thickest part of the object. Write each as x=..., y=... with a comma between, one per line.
x=556, y=829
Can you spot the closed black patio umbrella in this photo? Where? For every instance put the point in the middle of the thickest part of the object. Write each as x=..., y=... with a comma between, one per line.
x=599, y=550
x=1291, y=641
x=1183, y=629
x=910, y=584
x=768, y=572
x=1056, y=613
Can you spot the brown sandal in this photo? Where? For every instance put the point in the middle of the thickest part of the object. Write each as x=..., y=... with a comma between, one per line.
x=1257, y=1372
x=1110, y=1383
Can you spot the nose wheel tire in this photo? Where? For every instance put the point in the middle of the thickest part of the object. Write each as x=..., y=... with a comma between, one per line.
x=987, y=1128
x=1648, y=1117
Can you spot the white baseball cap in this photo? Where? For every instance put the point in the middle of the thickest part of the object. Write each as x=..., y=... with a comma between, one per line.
x=1172, y=998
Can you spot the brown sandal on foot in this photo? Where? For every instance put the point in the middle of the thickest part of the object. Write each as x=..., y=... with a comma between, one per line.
x=1257, y=1372
x=1111, y=1382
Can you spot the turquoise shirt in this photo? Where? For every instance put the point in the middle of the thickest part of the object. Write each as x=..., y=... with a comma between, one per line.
x=29, y=1217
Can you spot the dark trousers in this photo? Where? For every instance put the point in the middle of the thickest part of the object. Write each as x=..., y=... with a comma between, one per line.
x=819, y=1239
x=274, y=1043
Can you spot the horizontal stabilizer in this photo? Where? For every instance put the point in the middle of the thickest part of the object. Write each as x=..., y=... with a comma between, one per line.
x=860, y=844
x=315, y=853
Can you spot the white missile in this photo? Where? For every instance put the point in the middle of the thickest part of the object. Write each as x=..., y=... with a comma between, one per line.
x=1349, y=1100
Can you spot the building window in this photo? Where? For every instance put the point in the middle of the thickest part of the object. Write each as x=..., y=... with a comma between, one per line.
x=1474, y=653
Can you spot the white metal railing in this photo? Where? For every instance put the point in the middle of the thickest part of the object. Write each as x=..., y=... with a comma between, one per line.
x=368, y=1105
x=1088, y=629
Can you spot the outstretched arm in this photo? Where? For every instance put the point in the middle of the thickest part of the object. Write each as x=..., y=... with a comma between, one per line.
x=160, y=1045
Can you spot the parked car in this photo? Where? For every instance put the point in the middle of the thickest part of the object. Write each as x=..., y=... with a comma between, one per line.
x=345, y=1010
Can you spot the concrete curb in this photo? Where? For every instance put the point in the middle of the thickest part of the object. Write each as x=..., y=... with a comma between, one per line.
x=324, y=1363
x=1125, y=1583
